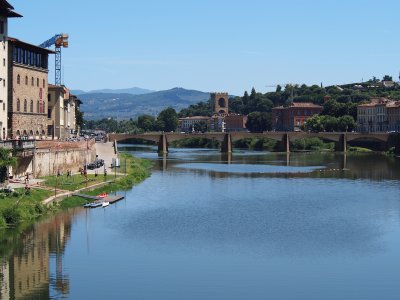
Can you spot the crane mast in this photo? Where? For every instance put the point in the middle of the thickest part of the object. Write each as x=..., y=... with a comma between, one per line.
x=59, y=41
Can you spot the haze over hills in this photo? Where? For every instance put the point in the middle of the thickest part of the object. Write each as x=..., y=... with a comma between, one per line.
x=132, y=91
x=120, y=106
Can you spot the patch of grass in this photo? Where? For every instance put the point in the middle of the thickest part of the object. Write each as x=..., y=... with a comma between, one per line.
x=20, y=206
x=76, y=182
x=358, y=149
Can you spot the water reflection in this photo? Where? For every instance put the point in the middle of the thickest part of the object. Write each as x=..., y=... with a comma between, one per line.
x=264, y=215
x=27, y=272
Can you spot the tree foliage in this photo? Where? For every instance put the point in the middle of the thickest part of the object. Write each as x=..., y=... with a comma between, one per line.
x=6, y=161
x=167, y=120
x=259, y=122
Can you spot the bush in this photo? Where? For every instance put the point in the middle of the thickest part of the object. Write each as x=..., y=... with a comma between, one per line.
x=311, y=144
x=2, y=222
x=254, y=143
x=12, y=215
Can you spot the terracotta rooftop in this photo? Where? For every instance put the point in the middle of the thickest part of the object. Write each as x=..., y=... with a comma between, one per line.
x=381, y=102
x=301, y=105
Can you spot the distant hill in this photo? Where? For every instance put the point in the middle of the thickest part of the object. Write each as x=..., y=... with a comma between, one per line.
x=132, y=91
x=125, y=106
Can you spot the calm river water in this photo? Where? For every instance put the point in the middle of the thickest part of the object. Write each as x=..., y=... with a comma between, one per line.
x=208, y=226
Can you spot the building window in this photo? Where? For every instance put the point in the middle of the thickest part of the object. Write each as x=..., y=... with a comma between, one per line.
x=4, y=82
x=18, y=105
x=18, y=79
x=26, y=80
x=38, y=107
x=33, y=81
x=4, y=62
x=4, y=106
x=37, y=82
x=31, y=107
x=25, y=105
x=44, y=83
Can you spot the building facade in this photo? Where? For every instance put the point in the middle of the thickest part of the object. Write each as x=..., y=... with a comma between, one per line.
x=27, y=89
x=61, y=113
x=379, y=115
x=6, y=11
x=188, y=124
x=292, y=117
x=235, y=122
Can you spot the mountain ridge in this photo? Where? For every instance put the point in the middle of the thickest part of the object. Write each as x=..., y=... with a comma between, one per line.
x=133, y=91
x=121, y=106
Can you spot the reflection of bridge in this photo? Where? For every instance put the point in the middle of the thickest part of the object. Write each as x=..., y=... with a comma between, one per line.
x=284, y=138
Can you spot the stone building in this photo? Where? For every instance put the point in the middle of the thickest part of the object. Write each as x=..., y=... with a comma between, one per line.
x=6, y=11
x=61, y=112
x=292, y=117
x=27, y=89
x=220, y=103
x=235, y=122
x=379, y=115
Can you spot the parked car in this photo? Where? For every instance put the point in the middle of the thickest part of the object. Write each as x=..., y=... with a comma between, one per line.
x=99, y=163
x=91, y=166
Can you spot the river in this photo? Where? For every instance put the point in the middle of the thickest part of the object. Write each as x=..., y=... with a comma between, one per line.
x=210, y=226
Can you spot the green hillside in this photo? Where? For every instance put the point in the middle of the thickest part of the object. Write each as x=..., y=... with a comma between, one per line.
x=125, y=106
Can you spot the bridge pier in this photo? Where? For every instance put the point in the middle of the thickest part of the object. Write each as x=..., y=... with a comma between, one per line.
x=285, y=143
x=341, y=145
x=226, y=145
x=394, y=141
x=163, y=144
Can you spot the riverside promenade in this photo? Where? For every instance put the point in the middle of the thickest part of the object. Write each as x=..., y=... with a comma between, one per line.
x=104, y=151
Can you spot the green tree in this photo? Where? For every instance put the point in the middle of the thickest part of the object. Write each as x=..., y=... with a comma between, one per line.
x=259, y=121
x=146, y=122
x=6, y=161
x=79, y=117
x=169, y=119
x=201, y=126
x=387, y=78
x=346, y=123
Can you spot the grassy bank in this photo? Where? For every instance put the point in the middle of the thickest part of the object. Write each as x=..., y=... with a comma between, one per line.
x=21, y=206
x=137, y=170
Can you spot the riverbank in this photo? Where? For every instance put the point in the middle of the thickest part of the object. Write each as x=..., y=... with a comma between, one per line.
x=27, y=205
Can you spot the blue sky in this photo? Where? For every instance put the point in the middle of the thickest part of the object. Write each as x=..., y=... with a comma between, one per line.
x=215, y=45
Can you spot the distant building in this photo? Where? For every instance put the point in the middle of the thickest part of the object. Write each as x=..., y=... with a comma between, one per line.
x=388, y=83
x=61, y=112
x=293, y=116
x=217, y=123
x=235, y=122
x=379, y=115
x=6, y=11
x=27, y=89
x=187, y=124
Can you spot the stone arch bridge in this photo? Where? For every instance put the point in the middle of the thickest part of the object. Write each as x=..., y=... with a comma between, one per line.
x=284, y=138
